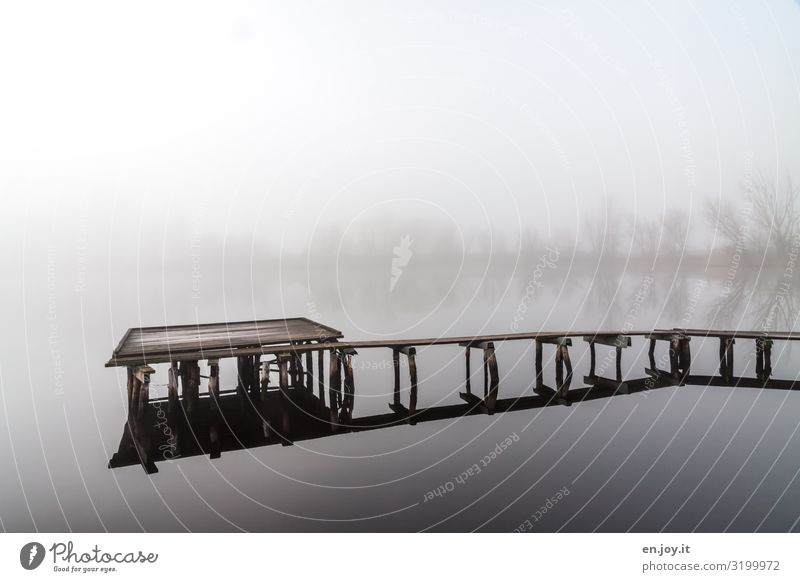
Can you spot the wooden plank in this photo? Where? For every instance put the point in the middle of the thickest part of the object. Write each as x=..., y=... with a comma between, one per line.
x=609, y=340
x=330, y=343
x=229, y=351
x=745, y=334
x=149, y=343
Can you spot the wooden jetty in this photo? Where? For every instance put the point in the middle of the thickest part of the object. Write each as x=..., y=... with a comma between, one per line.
x=254, y=413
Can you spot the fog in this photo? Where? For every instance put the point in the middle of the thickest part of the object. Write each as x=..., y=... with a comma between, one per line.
x=400, y=170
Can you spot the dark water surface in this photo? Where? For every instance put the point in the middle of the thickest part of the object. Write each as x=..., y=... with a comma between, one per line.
x=674, y=459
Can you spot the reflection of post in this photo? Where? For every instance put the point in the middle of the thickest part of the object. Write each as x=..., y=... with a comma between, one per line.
x=216, y=412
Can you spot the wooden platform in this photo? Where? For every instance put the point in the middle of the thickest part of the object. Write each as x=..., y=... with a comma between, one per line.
x=152, y=345
x=315, y=390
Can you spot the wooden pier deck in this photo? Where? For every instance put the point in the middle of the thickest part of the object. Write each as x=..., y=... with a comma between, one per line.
x=257, y=413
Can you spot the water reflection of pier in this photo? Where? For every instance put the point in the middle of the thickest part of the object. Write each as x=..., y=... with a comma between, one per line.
x=259, y=412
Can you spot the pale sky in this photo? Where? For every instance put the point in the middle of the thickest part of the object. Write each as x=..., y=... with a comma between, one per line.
x=305, y=113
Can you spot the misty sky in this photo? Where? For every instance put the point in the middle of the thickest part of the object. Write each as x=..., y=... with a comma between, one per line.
x=265, y=120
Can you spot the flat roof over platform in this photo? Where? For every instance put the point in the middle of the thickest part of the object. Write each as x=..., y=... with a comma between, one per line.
x=161, y=344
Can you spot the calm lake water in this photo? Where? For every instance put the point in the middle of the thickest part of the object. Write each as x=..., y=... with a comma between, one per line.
x=674, y=459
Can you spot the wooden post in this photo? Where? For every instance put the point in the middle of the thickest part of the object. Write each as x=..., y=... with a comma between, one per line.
x=652, y=354
x=310, y=372
x=265, y=428
x=241, y=383
x=321, y=376
x=335, y=387
x=174, y=408
x=768, y=359
x=491, y=359
x=412, y=367
x=685, y=358
x=255, y=387
x=284, y=398
x=299, y=376
x=469, y=373
x=396, y=366
x=559, y=369
x=673, y=358
x=726, y=358
x=539, y=379
x=139, y=389
x=190, y=375
x=729, y=358
x=763, y=358
x=592, y=360
x=216, y=411
x=349, y=389
x=619, y=363
x=485, y=376
x=562, y=359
